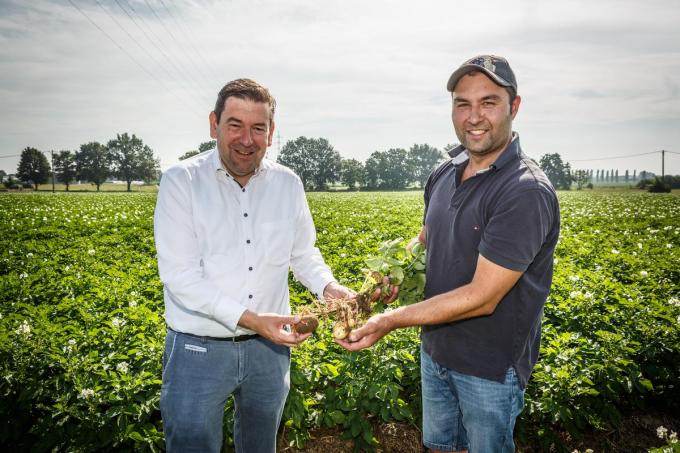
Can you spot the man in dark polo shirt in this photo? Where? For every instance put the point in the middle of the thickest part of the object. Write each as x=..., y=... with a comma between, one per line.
x=490, y=227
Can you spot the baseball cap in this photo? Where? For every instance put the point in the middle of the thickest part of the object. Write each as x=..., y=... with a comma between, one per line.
x=497, y=68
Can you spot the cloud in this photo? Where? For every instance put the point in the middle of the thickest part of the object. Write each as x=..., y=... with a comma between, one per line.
x=587, y=93
x=366, y=75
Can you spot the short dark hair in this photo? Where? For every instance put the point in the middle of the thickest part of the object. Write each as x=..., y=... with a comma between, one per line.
x=245, y=89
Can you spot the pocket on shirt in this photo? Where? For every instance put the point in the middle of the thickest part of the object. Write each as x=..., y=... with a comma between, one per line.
x=278, y=241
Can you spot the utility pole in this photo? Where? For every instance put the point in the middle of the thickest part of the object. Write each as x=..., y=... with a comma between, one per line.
x=52, y=155
x=663, y=152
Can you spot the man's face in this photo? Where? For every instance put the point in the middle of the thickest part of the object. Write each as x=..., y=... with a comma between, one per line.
x=243, y=135
x=482, y=114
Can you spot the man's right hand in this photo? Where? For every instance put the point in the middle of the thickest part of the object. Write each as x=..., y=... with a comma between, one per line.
x=273, y=327
x=393, y=290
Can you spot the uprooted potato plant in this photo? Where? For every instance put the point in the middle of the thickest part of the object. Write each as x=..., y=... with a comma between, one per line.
x=397, y=265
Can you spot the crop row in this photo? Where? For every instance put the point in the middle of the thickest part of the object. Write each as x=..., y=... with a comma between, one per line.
x=81, y=325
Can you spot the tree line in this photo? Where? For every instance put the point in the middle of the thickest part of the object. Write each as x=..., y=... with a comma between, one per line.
x=125, y=157
x=319, y=165
x=562, y=176
x=314, y=160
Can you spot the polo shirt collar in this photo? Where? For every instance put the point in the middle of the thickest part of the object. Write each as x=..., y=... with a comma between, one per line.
x=459, y=154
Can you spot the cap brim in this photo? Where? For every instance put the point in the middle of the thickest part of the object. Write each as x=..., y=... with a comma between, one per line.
x=468, y=68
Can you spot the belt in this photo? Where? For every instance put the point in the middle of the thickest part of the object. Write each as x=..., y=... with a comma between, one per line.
x=235, y=339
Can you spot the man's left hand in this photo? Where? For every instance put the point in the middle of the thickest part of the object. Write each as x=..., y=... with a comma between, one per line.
x=334, y=290
x=368, y=334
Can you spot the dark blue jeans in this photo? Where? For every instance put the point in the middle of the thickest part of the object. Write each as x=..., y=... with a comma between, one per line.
x=462, y=412
x=199, y=375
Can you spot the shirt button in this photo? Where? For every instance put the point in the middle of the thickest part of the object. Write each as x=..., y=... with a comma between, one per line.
x=247, y=241
x=250, y=268
x=243, y=190
x=245, y=214
x=250, y=296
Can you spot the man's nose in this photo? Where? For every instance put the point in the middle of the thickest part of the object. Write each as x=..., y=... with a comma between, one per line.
x=246, y=137
x=475, y=114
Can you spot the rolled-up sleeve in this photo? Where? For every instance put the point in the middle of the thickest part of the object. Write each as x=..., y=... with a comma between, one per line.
x=180, y=263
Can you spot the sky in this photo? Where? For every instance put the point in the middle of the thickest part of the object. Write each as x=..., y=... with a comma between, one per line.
x=598, y=80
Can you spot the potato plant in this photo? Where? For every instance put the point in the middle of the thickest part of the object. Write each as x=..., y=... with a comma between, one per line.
x=398, y=266
x=81, y=322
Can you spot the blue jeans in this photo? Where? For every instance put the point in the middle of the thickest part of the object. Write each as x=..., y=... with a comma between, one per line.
x=466, y=412
x=199, y=374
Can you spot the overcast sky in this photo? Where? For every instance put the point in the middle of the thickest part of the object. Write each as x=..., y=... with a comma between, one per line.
x=598, y=80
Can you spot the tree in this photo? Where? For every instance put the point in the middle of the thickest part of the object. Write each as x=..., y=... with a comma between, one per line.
x=558, y=172
x=3, y=173
x=92, y=163
x=387, y=169
x=659, y=186
x=189, y=154
x=352, y=173
x=33, y=167
x=65, y=167
x=581, y=177
x=421, y=160
x=313, y=159
x=207, y=146
x=131, y=159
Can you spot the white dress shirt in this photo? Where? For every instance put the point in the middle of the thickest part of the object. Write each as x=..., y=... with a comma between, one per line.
x=223, y=248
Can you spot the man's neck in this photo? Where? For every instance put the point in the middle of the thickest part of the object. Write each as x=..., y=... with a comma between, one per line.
x=482, y=162
x=241, y=180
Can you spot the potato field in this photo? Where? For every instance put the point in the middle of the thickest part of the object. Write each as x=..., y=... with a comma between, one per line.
x=82, y=330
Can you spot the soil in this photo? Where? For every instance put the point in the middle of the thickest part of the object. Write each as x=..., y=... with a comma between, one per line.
x=636, y=433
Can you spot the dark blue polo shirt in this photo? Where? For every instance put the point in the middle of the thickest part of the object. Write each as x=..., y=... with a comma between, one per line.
x=509, y=214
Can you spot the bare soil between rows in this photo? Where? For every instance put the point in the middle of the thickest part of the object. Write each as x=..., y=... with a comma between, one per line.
x=636, y=433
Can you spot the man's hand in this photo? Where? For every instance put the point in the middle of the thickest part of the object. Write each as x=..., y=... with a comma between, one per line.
x=334, y=290
x=392, y=289
x=273, y=327
x=367, y=335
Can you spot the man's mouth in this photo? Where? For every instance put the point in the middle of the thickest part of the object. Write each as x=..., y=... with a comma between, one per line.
x=476, y=132
x=244, y=152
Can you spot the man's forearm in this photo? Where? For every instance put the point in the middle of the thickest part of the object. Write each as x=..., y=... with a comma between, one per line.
x=460, y=303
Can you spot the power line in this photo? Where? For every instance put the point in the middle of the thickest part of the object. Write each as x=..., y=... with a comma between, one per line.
x=134, y=60
x=10, y=155
x=196, y=66
x=189, y=35
x=172, y=35
x=113, y=18
x=177, y=67
x=615, y=157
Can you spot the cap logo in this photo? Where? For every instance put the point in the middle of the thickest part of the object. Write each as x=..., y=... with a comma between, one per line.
x=488, y=64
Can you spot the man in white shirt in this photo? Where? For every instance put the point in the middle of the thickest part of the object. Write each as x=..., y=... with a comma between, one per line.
x=228, y=225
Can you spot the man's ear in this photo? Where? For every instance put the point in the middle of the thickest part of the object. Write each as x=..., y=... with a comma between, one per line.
x=212, y=118
x=271, y=133
x=514, y=107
